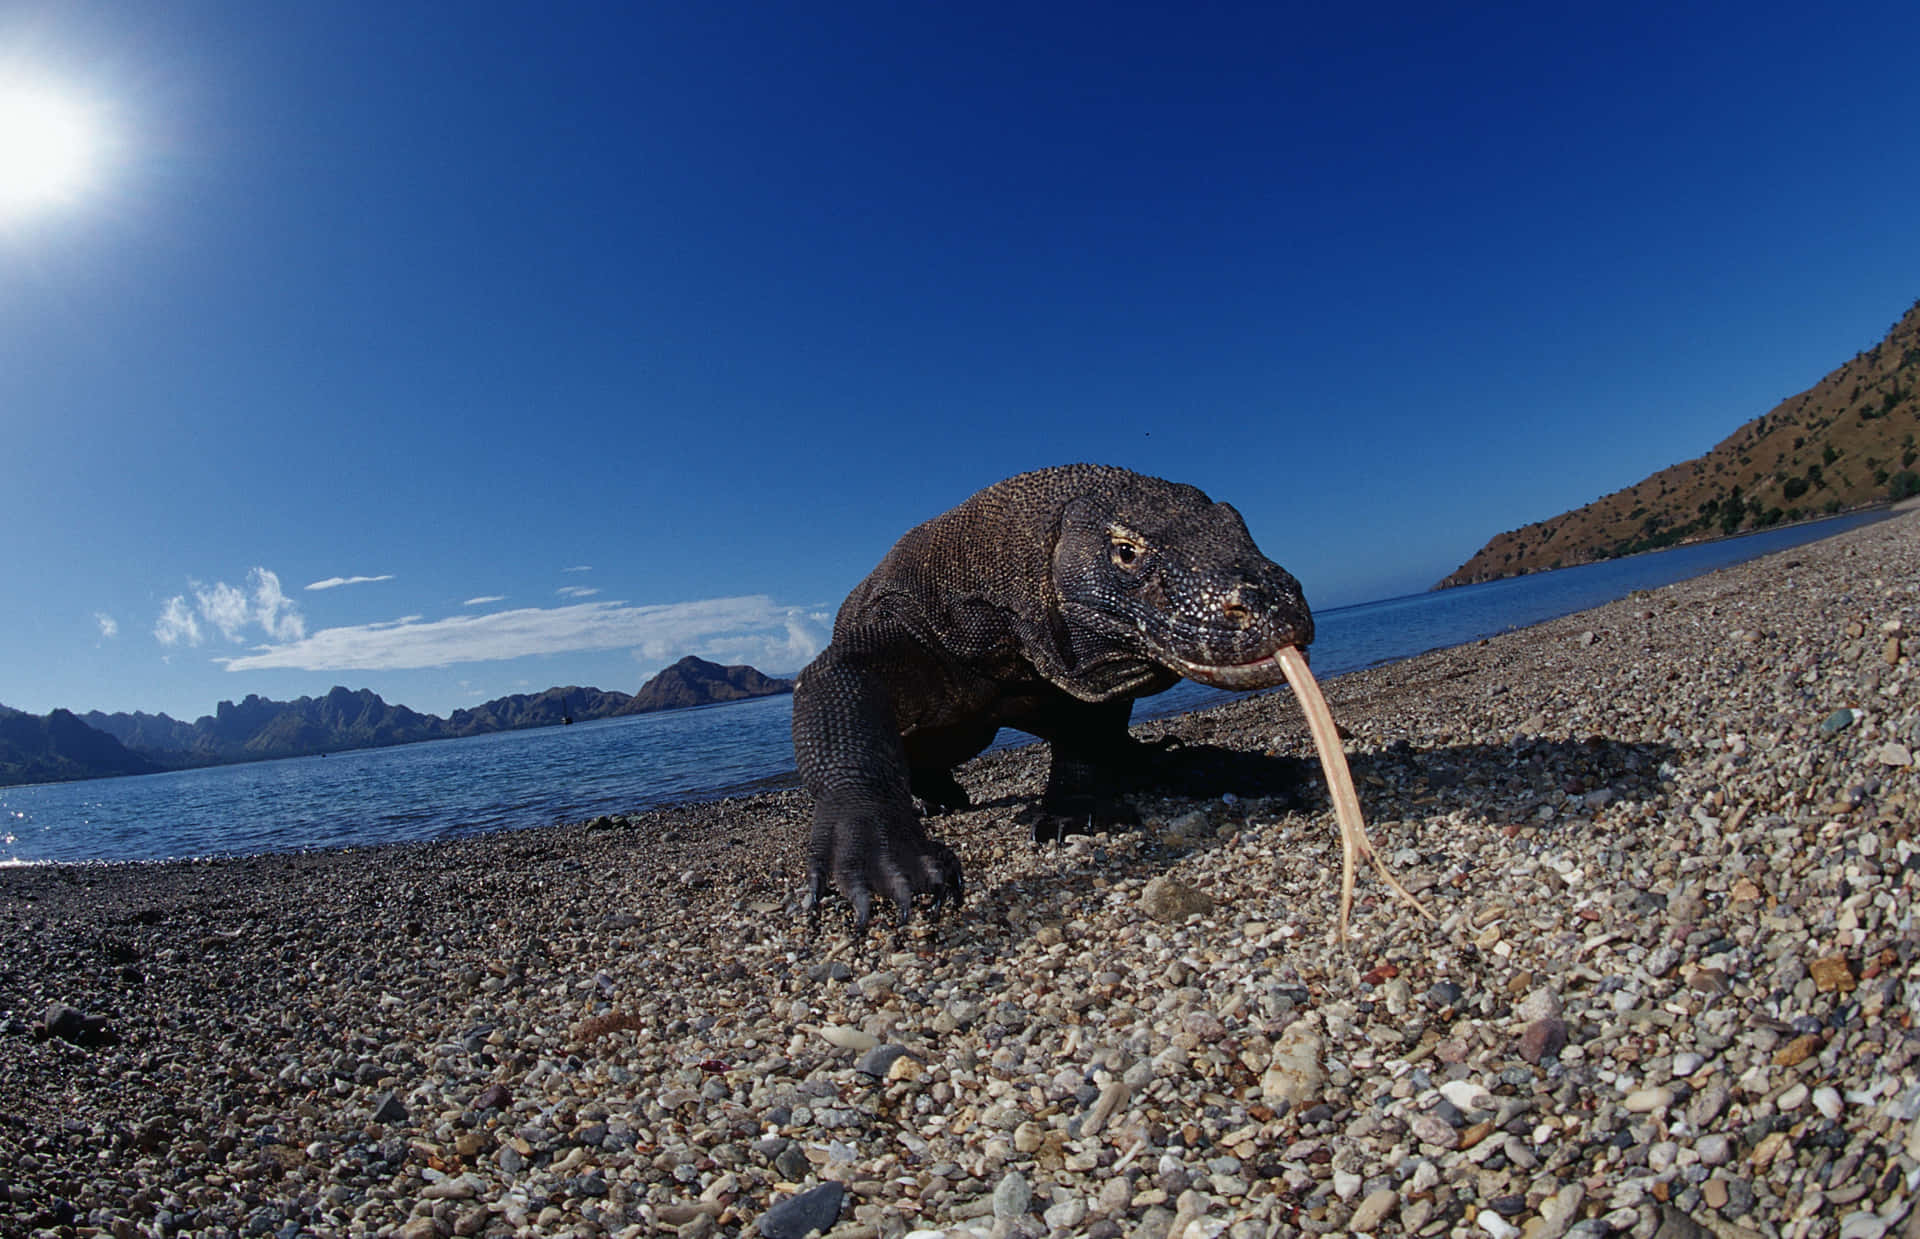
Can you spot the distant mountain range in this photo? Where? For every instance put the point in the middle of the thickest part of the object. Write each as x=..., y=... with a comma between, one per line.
x=57, y=746
x=1846, y=442
x=61, y=745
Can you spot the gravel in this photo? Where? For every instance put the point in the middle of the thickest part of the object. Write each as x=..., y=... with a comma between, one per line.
x=1670, y=843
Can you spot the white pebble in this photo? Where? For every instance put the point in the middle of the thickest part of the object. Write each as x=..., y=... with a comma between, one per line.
x=848, y=1038
x=1827, y=1102
x=1467, y=1095
x=1496, y=1225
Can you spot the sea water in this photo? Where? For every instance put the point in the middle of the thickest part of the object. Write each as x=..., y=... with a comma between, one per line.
x=509, y=780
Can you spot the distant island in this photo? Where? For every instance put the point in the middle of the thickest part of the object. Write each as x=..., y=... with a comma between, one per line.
x=697, y=682
x=62, y=746
x=1847, y=442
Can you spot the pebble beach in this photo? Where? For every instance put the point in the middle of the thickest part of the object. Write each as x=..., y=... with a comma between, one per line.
x=1669, y=989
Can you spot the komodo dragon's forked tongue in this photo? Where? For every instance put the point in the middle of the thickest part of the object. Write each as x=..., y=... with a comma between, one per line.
x=1346, y=802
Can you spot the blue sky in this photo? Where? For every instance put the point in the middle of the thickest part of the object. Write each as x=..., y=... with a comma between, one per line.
x=459, y=350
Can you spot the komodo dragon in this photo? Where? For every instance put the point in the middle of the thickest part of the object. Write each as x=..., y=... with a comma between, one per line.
x=1045, y=603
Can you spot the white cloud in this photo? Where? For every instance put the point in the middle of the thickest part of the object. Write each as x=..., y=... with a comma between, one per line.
x=177, y=625
x=751, y=625
x=576, y=591
x=109, y=626
x=483, y=600
x=225, y=607
x=273, y=609
x=335, y=582
x=579, y=568
x=231, y=611
x=793, y=647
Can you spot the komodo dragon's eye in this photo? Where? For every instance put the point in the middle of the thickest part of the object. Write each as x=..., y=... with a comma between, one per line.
x=1128, y=549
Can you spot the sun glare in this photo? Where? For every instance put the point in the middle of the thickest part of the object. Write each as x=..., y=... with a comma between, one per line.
x=49, y=145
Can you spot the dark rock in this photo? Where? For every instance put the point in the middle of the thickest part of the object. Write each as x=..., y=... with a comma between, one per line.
x=387, y=1109
x=493, y=1097
x=797, y=1216
x=62, y=1021
x=792, y=1162
x=72, y=1026
x=880, y=1059
x=1544, y=1038
x=1676, y=1225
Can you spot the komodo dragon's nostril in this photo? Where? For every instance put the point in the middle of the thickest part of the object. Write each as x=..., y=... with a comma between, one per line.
x=1236, y=611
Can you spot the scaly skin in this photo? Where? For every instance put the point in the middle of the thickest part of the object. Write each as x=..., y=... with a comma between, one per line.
x=1047, y=603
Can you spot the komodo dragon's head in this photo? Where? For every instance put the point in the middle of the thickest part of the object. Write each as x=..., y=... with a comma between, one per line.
x=1158, y=571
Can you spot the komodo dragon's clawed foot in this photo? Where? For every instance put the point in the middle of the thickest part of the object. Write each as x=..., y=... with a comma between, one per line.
x=1056, y=817
x=940, y=792
x=867, y=852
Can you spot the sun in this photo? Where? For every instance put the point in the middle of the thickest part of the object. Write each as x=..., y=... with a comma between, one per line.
x=49, y=148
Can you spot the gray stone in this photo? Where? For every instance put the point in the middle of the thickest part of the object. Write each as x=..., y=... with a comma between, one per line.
x=1541, y=1004
x=1169, y=900
x=1677, y=1225
x=1706, y=1105
x=878, y=1060
x=1429, y=1129
x=1012, y=1195
x=817, y=1208
x=1374, y=1209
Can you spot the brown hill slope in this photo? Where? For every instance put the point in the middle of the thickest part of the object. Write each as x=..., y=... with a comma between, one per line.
x=696, y=682
x=1846, y=442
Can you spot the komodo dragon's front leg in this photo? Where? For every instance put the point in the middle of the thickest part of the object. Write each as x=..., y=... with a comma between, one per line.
x=867, y=837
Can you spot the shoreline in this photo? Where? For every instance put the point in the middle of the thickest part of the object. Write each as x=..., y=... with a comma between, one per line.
x=1183, y=699
x=1675, y=976
x=1888, y=507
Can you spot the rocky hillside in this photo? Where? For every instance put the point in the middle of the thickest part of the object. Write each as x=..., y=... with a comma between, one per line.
x=259, y=727
x=556, y=705
x=1848, y=441
x=56, y=747
x=697, y=682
